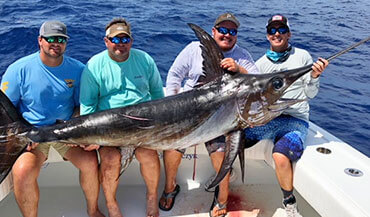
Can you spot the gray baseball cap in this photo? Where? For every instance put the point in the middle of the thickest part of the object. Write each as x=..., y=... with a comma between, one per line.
x=53, y=28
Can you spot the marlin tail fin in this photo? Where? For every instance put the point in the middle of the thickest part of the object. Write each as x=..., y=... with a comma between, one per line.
x=12, y=142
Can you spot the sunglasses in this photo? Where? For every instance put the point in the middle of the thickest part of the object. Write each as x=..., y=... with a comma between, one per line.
x=224, y=31
x=281, y=30
x=55, y=39
x=117, y=40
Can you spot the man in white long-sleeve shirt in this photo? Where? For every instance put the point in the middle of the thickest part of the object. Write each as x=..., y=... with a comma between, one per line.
x=188, y=67
x=289, y=130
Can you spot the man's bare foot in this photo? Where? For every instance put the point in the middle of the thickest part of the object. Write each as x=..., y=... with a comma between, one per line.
x=114, y=211
x=97, y=213
x=152, y=206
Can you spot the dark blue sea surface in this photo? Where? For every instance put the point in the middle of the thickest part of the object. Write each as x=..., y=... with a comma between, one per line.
x=159, y=27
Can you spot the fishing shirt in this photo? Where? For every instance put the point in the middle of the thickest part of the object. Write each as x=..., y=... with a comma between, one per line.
x=43, y=94
x=107, y=84
x=305, y=87
x=188, y=65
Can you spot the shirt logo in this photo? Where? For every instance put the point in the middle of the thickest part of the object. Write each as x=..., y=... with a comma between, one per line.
x=138, y=76
x=4, y=86
x=69, y=82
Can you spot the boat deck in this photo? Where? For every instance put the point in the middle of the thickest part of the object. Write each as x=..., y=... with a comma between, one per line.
x=62, y=197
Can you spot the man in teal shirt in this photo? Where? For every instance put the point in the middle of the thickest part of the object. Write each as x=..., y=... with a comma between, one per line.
x=117, y=77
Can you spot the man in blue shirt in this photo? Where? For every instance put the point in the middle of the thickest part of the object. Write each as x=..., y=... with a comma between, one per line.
x=44, y=88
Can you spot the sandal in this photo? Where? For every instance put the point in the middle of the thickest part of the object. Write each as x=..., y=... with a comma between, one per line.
x=221, y=208
x=172, y=195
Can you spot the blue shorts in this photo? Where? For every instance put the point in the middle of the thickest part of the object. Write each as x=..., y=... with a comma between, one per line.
x=288, y=134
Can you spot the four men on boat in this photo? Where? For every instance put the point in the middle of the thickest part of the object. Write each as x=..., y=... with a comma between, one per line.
x=44, y=92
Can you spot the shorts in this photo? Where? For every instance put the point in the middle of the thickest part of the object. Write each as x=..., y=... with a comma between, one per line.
x=61, y=148
x=215, y=145
x=288, y=134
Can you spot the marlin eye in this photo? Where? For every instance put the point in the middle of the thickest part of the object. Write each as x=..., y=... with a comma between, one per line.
x=277, y=83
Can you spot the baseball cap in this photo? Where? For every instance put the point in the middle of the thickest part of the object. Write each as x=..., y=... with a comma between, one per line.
x=278, y=19
x=53, y=28
x=118, y=28
x=227, y=17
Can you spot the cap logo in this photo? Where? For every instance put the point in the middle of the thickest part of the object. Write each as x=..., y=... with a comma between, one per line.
x=119, y=28
x=277, y=17
x=228, y=15
x=57, y=27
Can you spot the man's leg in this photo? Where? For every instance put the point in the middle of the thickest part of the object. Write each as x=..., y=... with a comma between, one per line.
x=26, y=190
x=109, y=172
x=284, y=171
x=150, y=170
x=87, y=163
x=172, y=160
x=217, y=158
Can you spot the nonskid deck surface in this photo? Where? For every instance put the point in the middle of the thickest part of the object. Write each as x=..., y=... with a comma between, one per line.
x=62, y=197
x=248, y=200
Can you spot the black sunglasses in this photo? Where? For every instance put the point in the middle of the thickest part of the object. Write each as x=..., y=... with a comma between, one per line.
x=281, y=30
x=55, y=39
x=224, y=31
x=117, y=40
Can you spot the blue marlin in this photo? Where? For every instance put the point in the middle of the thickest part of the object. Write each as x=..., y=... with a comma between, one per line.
x=223, y=104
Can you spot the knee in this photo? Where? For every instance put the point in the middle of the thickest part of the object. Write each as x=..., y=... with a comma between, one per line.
x=281, y=161
x=147, y=156
x=89, y=161
x=24, y=171
x=110, y=157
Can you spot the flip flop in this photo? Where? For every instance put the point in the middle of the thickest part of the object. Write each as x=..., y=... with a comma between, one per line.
x=167, y=196
x=221, y=208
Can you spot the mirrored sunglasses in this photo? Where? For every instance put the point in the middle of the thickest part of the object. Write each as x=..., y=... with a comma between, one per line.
x=281, y=30
x=55, y=39
x=117, y=40
x=224, y=31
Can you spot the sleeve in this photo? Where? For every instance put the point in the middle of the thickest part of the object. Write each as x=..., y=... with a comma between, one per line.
x=312, y=85
x=178, y=71
x=155, y=83
x=76, y=91
x=89, y=92
x=10, y=85
x=247, y=62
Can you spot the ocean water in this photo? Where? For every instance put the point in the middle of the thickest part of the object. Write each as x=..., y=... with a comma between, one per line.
x=342, y=106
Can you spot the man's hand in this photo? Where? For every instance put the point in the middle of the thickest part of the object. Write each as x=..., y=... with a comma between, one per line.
x=318, y=67
x=90, y=147
x=230, y=64
x=31, y=146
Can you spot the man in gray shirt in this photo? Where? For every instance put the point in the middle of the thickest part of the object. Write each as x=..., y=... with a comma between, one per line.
x=289, y=130
x=188, y=66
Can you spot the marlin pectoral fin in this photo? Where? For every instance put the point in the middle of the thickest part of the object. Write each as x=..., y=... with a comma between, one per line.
x=283, y=104
x=233, y=140
x=127, y=155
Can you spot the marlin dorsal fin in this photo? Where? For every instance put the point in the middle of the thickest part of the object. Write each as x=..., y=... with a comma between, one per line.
x=212, y=56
